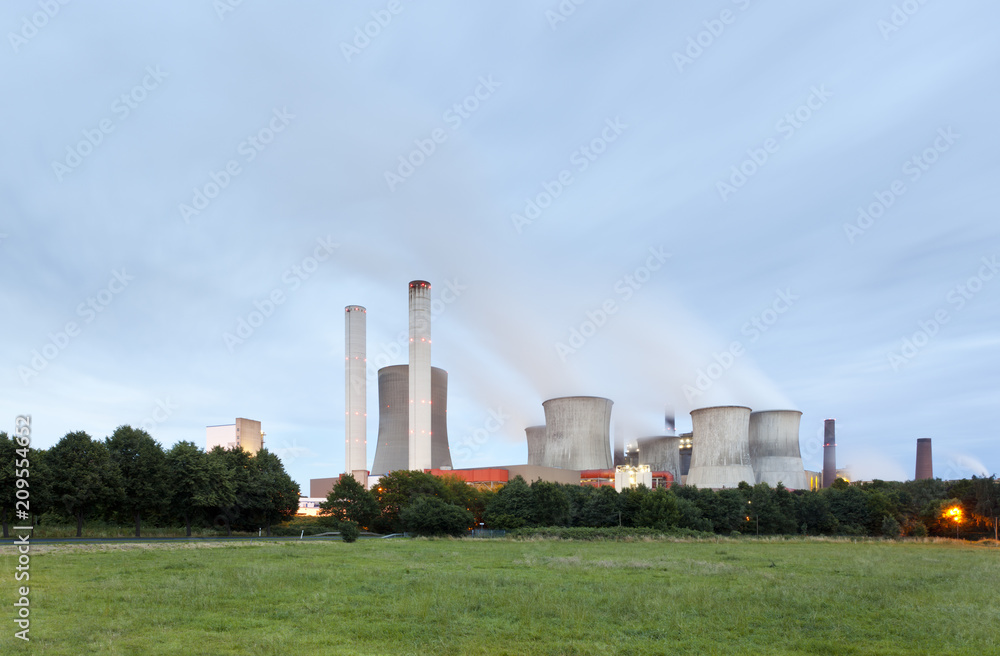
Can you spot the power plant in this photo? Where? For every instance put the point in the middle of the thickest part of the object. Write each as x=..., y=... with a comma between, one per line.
x=774, y=448
x=392, y=450
x=727, y=445
x=925, y=468
x=721, y=454
x=536, y=445
x=661, y=453
x=577, y=433
x=355, y=384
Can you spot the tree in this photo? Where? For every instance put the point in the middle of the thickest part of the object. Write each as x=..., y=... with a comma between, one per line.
x=396, y=490
x=601, y=508
x=987, y=494
x=511, y=507
x=349, y=531
x=427, y=515
x=142, y=464
x=237, y=464
x=84, y=478
x=551, y=506
x=198, y=484
x=349, y=500
x=272, y=496
x=630, y=504
x=659, y=510
x=9, y=460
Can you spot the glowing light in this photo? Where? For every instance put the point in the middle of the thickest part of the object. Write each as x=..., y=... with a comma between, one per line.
x=955, y=514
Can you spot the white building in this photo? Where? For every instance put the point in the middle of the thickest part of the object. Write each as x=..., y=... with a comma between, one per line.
x=245, y=433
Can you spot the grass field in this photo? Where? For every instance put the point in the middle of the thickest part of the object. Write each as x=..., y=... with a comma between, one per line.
x=508, y=597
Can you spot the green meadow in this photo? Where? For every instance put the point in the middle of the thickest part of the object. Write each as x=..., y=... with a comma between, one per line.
x=725, y=596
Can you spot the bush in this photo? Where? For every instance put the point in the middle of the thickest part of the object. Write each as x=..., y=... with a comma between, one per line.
x=890, y=527
x=349, y=531
x=919, y=530
x=607, y=533
x=433, y=516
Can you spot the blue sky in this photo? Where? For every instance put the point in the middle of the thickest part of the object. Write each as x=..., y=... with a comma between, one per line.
x=731, y=203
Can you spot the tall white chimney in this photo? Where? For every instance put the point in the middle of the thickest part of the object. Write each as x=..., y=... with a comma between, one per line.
x=420, y=375
x=355, y=428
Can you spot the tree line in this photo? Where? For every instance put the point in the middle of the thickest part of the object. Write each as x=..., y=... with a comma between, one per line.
x=128, y=477
x=423, y=504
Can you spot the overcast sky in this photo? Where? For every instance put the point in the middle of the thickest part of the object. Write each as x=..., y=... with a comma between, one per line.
x=653, y=203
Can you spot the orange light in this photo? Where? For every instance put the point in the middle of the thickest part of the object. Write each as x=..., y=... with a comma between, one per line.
x=955, y=513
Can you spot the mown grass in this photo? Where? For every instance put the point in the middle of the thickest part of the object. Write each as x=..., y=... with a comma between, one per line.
x=513, y=597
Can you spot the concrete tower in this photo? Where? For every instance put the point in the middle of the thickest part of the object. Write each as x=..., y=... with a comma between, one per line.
x=393, y=447
x=661, y=453
x=925, y=468
x=536, y=444
x=774, y=448
x=578, y=433
x=356, y=456
x=420, y=376
x=721, y=454
x=829, y=452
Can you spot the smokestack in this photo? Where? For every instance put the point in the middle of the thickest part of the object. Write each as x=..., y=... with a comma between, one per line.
x=829, y=453
x=355, y=383
x=925, y=468
x=668, y=421
x=420, y=376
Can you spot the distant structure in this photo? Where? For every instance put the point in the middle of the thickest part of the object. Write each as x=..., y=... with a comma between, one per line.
x=244, y=433
x=392, y=448
x=829, y=452
x=420, y=428
x=355, y=383
x=686, y=447
x=578, y=433
x=925, y=468
x=627, y=476
x=721, y=455
x=536, y=445
x=661, y=453
x=774, y=448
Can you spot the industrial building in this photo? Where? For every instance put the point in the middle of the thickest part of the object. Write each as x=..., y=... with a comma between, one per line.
x=243, y=433
x=721, y=454
x=577, y=433
x=774, y=448
x=355, y=390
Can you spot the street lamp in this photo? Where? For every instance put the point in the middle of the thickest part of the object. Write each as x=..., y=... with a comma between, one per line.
x=955, y=513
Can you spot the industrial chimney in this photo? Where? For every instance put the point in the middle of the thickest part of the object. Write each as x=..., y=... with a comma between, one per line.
x=925, y=468
x=355, y=457
x=829, y=453
x=420, y=376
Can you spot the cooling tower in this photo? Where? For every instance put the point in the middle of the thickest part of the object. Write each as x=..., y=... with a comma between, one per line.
x=392, y=449
x=536, y=444
x=925, y=468
x=355, y=456
x=578, y=433
x=774, y=449
x=420, y=450
x=721, y=454
x=661, y=453
x=829, y=452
